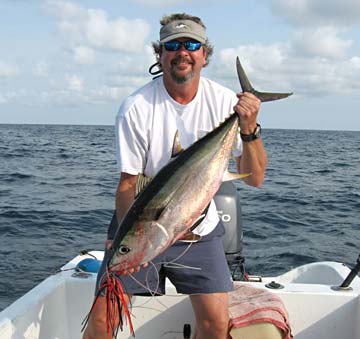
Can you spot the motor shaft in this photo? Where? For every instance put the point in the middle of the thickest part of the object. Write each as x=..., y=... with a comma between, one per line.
x=353, y=273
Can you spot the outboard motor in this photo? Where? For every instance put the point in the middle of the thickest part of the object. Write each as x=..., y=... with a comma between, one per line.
x=227, y=201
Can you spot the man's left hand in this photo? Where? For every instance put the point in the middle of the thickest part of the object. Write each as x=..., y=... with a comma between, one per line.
x=247, y=108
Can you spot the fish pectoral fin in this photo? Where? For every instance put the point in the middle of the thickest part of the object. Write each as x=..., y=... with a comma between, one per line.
x=177, y=148
x=161, y=230
x=141, y=182
x=159, y=239
x=229, y=176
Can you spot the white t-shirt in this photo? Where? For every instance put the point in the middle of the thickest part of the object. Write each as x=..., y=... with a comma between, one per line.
x=148, y=120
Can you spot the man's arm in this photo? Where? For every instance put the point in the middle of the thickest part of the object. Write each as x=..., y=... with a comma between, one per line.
x=125, y=194
x=253, y=159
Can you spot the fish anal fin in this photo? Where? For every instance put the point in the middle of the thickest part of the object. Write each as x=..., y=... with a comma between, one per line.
x=229, y=176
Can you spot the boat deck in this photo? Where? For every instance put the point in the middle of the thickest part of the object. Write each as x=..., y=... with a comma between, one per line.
x=56, y=307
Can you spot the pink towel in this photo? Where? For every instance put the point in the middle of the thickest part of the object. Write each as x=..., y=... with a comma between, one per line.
x=249, y=305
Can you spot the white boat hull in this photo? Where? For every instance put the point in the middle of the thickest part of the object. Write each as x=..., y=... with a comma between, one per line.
x=57, y=306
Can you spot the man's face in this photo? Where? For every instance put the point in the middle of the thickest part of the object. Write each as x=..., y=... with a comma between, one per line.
x=182, y=65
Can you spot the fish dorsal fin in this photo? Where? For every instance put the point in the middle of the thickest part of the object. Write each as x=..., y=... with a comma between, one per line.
x=228, y=176
x=177, y=148
x=141, y=182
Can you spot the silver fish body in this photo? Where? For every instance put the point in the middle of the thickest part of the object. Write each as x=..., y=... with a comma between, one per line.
x=174, y=200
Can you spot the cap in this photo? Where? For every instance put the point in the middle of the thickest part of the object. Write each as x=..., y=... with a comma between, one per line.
x=182, y=29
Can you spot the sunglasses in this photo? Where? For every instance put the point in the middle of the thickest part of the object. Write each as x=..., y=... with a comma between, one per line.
x=189, y=45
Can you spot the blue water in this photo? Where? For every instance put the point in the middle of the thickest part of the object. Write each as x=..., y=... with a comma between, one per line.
x=57, y=186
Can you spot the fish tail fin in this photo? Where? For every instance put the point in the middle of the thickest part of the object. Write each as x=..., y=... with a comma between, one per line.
x=116, y=305
x=247, y=87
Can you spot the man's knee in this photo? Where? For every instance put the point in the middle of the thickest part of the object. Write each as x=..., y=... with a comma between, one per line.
x=211, y=312
x=218, y=324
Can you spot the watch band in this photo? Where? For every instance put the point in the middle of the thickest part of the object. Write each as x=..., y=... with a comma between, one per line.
x=253, y=136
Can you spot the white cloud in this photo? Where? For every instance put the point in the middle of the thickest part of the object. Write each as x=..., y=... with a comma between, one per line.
x=130, y=80
x=278, y=67
x=93, y=28
x=62, y=8
x=267, y=56
x=107, y=93
x=41, y=69
x=65, y=97
x=121, y=34
x=9, y=96
x=355, y=62
x=321, y=42
x=75, y=83
x=136, y=64
x=264, y=64
x=3, y=99
x=8, y=69
x=182, y=3
x=75, y=93
x=59, y=97
x=84, y=55
x=319, y=12
x=161, y=3
x=88, y=33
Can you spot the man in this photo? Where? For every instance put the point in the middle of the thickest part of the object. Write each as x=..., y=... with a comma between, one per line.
x=181, y=100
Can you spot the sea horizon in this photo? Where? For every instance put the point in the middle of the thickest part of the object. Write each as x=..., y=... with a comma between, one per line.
x=110, y=125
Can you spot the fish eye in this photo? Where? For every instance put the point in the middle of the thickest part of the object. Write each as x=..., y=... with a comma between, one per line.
x=123, y=249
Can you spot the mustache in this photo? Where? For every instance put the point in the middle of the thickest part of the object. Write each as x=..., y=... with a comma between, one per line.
x=179, y=59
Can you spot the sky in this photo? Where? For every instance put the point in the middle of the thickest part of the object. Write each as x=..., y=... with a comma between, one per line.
x=73, y=62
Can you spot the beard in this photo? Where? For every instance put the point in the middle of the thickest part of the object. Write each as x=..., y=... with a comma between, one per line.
x=181, y=79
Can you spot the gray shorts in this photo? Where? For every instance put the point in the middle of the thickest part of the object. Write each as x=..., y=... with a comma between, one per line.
x=197, y=268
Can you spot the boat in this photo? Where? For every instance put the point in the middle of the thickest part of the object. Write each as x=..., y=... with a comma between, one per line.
x=321, y=298
x=58, y=305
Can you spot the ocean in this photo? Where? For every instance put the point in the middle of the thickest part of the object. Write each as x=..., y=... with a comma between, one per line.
x=57, y=187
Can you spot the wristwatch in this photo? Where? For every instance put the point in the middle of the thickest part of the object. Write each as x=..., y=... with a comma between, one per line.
x=253, y=136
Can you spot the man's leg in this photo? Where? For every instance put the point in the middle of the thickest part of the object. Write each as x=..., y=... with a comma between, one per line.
x=97, y=326
x=212, y=315
x=148, y=276
x=206, y=279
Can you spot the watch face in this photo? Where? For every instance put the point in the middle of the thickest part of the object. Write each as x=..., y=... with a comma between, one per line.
x=257, y=132
x=250, y=137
